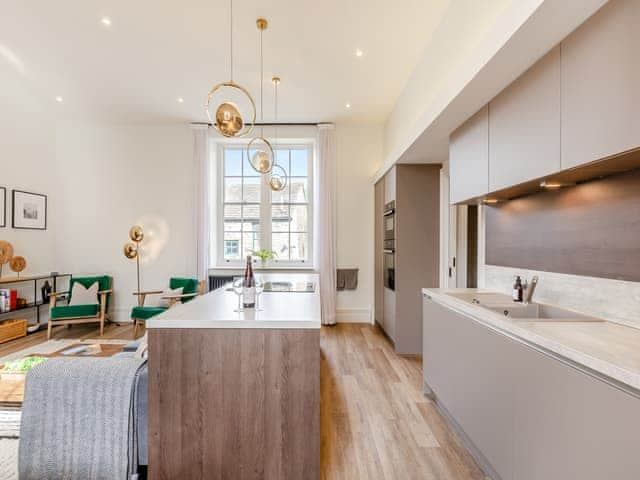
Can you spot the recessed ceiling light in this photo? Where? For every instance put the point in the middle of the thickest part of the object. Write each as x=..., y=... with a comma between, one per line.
x=180, y=100
x=106, y=21
x=59, y=99
x=490, y=201
x=348, y=105
x=359, y=52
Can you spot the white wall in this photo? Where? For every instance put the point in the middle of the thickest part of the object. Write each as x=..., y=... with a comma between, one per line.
x=27, y=162
x=359, y=150
x=112, y=177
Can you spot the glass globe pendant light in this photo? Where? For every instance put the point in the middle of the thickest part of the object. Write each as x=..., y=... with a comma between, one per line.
x=278, y=175
x=259, y=150
x=227, y=118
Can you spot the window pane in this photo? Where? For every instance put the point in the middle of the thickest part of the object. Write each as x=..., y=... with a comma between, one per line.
x=299, y=246
x=282, y=159
x=232, y=226
x=233, y=189
x=251, y=213
x=251, y=191
x=246, y=165
x=232, y=162
x=280, y=218
x=251, y=243
x=299, y=163
x=299, y=218
x=251, y=225
x=231, y=246
x=281, y=196
x=299, y=190
x=232, y=213
x=280, y=245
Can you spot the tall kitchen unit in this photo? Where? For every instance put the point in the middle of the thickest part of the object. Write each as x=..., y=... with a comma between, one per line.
x=407, y=247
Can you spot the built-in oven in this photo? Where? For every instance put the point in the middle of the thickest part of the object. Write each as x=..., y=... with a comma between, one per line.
x=390, y=221
x=389, y=268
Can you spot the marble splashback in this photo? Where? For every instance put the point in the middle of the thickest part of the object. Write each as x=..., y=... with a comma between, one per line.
x=615, y=300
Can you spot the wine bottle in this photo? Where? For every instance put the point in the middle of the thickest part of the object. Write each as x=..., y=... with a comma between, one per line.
x=249, y=288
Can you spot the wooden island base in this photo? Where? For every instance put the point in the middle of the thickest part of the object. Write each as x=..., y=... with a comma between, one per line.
x=234, y=403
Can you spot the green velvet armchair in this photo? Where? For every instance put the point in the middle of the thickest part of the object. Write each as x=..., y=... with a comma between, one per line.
x=191, y=288
x=74, y=314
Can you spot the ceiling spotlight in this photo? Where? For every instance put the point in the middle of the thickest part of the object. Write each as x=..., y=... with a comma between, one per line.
x=490, y=201
x=106, y=21
x=554, y=185
x=180, y=100
x=348, y=105
x=359, y=52
x=59, y=99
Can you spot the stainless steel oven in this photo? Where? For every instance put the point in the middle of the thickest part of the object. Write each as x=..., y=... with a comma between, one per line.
x=390, y=221
x=389, y=268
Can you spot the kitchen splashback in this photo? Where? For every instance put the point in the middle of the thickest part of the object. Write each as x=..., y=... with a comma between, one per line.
x=592, y=229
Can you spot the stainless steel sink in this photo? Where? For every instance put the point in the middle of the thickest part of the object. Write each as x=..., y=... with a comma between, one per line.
x=540, y=312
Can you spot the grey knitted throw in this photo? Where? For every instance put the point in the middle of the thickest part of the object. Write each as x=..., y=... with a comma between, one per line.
x=78, y=420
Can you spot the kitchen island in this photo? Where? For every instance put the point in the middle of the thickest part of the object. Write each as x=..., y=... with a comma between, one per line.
x=236, y=394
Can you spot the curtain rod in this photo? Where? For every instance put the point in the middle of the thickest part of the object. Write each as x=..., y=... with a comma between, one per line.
x=271, y=124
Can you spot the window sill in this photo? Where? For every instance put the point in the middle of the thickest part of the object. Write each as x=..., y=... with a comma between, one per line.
x=277, y=268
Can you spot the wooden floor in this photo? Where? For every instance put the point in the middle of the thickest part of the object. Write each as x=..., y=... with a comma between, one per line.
x=375, y=422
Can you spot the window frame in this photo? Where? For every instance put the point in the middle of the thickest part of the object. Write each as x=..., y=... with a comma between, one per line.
x=265, y=206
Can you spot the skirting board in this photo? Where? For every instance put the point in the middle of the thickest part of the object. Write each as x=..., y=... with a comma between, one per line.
x=353, y=315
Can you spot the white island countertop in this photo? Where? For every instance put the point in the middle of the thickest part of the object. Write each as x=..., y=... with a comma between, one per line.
x=279, y=310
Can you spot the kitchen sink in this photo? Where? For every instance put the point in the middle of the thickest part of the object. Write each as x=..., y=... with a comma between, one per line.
x=481, y=298
x=539, y=312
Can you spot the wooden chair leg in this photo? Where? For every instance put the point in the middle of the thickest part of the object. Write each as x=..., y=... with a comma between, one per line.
x=101, y=326
x=49, y=325
x=135, y=328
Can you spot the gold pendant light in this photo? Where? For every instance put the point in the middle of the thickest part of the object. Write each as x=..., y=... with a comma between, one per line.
x=278, y=177
x=259, y=150
x=227, y=118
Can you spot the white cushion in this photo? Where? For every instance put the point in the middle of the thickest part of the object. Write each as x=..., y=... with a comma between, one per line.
x=163, y=302
x=84, y=296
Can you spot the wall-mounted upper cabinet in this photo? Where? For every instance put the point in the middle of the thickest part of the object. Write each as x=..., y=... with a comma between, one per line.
x=469, y=158
x=524, y=126
x=600, y=85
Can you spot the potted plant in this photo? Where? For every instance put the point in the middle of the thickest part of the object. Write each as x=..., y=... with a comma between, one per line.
x=264, y=256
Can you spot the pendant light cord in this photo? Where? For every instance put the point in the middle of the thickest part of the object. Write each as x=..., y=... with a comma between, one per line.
x=231, y=37
x=276, y=112
x=261, y=83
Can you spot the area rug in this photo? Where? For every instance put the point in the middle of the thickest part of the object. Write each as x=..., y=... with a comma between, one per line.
x=51, y=346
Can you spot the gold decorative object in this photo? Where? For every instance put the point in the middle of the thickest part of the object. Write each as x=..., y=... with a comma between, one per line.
x=6, y=253
x=228, y=119
x=18, y=264
x=261, y=160
x=278, y=177
x=136, y=233
x=132, y=251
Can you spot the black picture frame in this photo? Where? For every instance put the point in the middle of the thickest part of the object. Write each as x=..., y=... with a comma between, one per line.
x=3, y=209
x=14, y=206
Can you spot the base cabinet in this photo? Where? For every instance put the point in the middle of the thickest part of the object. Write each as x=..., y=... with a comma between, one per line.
x=530, y=415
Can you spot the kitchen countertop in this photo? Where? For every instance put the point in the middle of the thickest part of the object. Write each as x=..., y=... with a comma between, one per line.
x=280, y=310
x=607, y=348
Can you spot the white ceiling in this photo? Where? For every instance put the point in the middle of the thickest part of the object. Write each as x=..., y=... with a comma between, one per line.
x=157, y=51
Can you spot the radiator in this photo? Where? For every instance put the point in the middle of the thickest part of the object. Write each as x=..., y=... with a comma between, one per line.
x=218, y=281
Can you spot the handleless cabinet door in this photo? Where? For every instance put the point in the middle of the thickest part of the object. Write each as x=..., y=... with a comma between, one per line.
x=524, y=126
x=600, y=79
x=378, y=245
x=469, y=159
x=568, y=424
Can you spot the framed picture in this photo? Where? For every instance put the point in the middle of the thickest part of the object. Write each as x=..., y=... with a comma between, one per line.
x=29, y=210
x=3, y=207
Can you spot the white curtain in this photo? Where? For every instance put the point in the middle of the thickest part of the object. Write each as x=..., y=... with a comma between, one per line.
x=326, y=228
x=202, y=164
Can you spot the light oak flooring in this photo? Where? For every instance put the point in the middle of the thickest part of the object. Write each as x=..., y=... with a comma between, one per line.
x=375, y=421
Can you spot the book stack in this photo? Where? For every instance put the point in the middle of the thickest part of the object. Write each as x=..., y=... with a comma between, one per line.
x=8, y=300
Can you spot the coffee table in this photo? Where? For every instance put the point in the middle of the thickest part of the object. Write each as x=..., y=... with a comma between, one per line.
x=12, y=389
